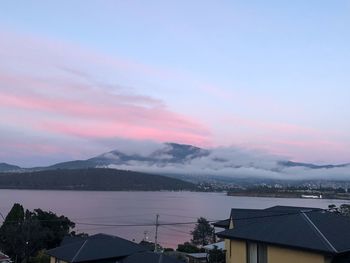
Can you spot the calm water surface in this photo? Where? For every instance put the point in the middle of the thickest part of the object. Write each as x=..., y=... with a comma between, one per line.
x=141, y=208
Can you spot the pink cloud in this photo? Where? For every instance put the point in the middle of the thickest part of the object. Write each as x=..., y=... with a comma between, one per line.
x=94, y=113
x=296, y=142
x=124, y=130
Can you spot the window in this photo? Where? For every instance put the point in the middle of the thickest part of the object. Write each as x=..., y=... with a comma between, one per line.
x=256, y=253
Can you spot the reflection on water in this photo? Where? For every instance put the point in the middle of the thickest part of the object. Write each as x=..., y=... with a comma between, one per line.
x=115, y=208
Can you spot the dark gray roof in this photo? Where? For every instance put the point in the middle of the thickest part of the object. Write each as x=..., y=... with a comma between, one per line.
x=222, y=224
x=299, y=227
x=150, y=257
x=72, y=239
x=239, y=215
x=96, y=247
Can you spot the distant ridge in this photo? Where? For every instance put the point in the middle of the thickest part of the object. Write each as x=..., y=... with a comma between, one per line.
x=5, y=167
x=92, y=179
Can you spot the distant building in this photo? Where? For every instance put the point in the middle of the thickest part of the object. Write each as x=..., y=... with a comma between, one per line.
x=286, y=234
x=218, y=245
x=197, y=257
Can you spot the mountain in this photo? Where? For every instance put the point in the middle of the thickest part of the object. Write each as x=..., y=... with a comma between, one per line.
x=197, y=164
x=5, y=167
x=170, y=153
x=92, y=179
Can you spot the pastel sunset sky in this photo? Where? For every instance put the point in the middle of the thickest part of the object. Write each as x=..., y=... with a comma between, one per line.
x=76, y=77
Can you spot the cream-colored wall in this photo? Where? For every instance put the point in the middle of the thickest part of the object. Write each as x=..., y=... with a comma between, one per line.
x=278, y=255
x=53, y=260
x=274, y=254
x=238, y=251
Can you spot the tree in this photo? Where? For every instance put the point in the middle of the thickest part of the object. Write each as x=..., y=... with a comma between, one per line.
x=55, y=227
x=343, y=209
x=41, y=257
x=12, y=239
x=187, y=247
x=24, y=232
x=216, y=256
x=203, y=233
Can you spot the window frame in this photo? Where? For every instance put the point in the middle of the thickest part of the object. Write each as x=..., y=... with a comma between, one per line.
x=260, y=252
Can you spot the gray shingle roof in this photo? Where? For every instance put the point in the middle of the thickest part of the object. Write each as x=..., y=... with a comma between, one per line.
x=299, y=227
x=150, y=257
x=96, y=247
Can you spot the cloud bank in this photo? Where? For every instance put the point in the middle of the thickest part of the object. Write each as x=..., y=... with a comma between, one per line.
x=233, y=162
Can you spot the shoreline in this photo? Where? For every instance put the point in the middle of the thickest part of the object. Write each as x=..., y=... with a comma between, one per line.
x=290, y=195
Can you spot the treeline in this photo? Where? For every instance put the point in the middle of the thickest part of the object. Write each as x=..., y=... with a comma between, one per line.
x=25, y=235
x=92, y=179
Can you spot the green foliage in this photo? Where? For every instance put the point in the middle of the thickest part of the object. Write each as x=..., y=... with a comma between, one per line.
x=16, y=214
x=41, y=257
x=187, y=247
x=25, y=232
x=343, y=209
x=55, y=227
x=217, y=256
x=12, y=240
x=203, y=233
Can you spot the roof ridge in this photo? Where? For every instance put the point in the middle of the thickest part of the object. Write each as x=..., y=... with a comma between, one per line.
x=318, y=231
x=82, y=246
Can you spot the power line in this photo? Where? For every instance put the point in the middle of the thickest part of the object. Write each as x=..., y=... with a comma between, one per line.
x=210, y=221
x=178, y=223
x=112, y=217
x=176, y=230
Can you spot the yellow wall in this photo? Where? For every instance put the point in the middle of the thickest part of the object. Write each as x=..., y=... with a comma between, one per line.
x=53, y=260
x=274, y=254
x=278, y=255
x=238, y=251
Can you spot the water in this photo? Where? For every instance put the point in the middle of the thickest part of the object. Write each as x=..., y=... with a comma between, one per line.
x=120, y=208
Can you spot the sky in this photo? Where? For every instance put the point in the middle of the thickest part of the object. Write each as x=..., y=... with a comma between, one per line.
x=77, y=77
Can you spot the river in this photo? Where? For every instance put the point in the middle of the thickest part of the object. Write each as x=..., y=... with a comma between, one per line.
x=140, y=208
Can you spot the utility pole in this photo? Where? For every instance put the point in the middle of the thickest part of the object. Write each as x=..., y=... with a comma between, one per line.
x=145, y=237
x=156, y=237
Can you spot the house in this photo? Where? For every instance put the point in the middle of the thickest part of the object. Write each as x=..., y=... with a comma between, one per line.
x=286, y=234
x=203, y=256
x=96, y=248
x=102, y=248
x=197, y=257
x=218, y=245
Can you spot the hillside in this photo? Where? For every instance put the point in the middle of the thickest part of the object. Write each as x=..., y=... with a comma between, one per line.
x=5, y=167
x=92, y=179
